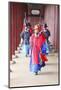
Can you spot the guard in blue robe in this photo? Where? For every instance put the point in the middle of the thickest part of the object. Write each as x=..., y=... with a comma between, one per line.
x=25, y=35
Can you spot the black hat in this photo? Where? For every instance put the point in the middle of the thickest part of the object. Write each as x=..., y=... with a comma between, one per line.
x=45, y=25
x=28, y=24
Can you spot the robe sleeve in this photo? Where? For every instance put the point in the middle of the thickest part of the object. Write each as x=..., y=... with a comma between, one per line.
x=31, y=40
x=31, y=31
x=22, y=35
x=41, y=41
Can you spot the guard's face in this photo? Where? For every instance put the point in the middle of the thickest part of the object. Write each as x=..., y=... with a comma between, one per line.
x=46, y=27
x=28, y=26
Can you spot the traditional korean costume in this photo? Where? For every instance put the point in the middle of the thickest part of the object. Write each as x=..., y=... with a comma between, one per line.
x=36, y=55
x=25, y=35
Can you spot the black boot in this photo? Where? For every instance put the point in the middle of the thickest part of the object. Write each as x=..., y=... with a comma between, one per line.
x=36, y=73
x=43, y=64
x=26, y=55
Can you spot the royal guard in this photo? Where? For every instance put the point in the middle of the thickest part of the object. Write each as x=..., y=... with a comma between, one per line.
x=37, y=58
x=47, y=32
x=45, y=47
x=25, y=36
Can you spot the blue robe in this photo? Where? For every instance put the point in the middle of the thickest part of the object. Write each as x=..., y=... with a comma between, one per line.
x=26, y=35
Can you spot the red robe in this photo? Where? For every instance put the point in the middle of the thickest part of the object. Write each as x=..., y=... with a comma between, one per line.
x=31, y=31
x=36, y=44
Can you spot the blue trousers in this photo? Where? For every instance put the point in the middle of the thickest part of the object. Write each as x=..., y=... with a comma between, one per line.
x=26, y=49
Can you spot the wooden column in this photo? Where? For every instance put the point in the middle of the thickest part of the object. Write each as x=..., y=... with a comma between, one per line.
x=16, y=17
x=51, y=17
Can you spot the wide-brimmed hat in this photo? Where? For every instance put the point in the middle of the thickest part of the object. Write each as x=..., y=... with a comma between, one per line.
x=28, y=24
x=45, y=25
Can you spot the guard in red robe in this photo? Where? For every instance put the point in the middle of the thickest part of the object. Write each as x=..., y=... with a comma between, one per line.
x=36, y=56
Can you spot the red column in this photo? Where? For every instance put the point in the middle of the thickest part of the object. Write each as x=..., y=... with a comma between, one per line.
x=16, y=17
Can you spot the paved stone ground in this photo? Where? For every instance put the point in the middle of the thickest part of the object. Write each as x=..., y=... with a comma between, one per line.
x=21, y=76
